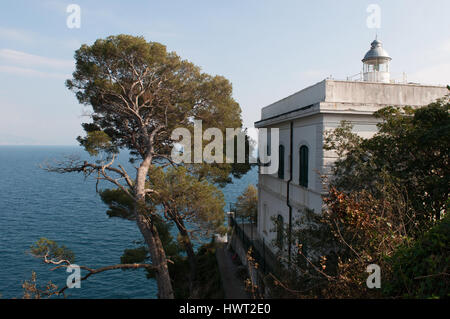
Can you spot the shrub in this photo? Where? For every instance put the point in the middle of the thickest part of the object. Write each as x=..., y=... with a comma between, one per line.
x=421, y=270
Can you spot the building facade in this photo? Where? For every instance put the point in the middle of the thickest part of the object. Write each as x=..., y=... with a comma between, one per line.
x=302, y=120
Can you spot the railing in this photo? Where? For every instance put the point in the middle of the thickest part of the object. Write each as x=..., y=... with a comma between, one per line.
x=267, y=261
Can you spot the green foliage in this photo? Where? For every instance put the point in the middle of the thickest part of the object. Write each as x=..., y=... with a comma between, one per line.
x=240, y=169
x=178, y=196
x=421, y=269
x=170, y=245
x=96, y=142
x=129, y=82
x=119, y=203
x=139, y=93
x=411, y=151
x=187, y=197
x=386, y=193
x=53, y=251
x=221, y=173
x=247, y=203
x=208, y=283
x=342, y=140
x=179, y=273
x=134, y=255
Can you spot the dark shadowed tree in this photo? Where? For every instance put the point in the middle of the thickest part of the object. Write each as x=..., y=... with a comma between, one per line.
x=194, y=206
x=186, y=200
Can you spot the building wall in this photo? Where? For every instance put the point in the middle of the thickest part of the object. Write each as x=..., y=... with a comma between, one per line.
x=370, y=93
x=331, y=102
x=305, y=97
x=271, y=205
x=353, y=96
x=273, y=190
x=364, y=125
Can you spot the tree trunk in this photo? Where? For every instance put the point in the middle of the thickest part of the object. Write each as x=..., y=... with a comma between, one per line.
x=158, y=257
x=151, y=235
x=190, y=254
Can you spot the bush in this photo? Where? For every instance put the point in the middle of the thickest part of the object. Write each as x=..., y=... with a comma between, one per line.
x=247, y=203
x=421, y=269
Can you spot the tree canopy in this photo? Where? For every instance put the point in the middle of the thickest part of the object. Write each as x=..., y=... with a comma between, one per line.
x=139, y=94
x=247, y=203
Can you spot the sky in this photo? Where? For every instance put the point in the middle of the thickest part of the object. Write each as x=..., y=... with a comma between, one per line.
x=267, y=49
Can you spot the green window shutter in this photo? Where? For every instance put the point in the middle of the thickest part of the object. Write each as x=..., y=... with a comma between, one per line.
x=304, y=166
x=280, y=224
x=281, y=162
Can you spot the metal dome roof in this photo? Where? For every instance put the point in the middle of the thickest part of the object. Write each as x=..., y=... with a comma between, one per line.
x=376, y=51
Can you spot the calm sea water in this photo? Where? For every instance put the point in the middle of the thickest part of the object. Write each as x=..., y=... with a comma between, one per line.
x=65, y=208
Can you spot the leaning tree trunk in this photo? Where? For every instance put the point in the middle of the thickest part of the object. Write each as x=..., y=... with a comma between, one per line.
x=158, y=257
x=151, y=235
x=190, y=253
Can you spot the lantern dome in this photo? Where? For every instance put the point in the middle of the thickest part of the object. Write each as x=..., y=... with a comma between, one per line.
x=376, y=52
x=376, y=64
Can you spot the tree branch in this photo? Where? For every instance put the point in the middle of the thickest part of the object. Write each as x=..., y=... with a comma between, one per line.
x=88, y=168
x=63, y=263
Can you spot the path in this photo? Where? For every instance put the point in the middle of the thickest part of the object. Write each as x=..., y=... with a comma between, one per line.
x=233, y=286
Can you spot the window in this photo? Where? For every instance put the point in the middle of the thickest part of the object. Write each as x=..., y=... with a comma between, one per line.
x=265, y=218
x=281, y=161
x=269, y=142
x=304, y=166
x=268, y=152
x=280, y=224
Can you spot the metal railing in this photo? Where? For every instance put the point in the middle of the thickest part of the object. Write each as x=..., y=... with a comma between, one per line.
x=266, y=259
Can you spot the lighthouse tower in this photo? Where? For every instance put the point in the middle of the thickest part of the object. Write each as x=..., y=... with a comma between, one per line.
x=302, y=120
x=376, y=64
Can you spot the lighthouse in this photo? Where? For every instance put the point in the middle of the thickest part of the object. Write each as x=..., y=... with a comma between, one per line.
x=376, y=64
x=302, y=120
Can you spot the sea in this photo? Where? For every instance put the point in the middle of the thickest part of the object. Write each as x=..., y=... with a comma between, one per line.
x=35, y=203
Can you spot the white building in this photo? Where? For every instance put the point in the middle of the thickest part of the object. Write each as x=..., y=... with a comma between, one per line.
x=302, y=119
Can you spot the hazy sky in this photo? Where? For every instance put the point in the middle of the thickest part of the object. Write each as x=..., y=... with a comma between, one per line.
x=267, y=49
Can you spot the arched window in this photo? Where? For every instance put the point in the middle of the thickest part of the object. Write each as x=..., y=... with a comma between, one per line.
x=304, y=166
x=280, y=231
x=281, y=162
